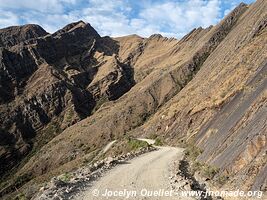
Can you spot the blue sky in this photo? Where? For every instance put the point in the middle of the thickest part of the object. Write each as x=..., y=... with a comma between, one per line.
x=171, y=18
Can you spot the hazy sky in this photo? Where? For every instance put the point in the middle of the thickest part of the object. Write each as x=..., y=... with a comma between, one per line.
x=172, y=18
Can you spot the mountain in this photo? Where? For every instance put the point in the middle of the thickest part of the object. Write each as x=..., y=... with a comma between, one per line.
x=63, y=96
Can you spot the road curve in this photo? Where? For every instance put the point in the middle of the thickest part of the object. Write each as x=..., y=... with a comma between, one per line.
x=137, y=178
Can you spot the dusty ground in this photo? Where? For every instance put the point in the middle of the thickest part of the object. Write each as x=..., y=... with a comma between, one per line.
x=147, y=172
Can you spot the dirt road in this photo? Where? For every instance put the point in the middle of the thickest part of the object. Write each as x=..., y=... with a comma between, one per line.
x=145, y=177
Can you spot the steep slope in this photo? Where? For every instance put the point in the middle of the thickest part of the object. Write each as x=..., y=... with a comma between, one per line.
x=49, y=83
x=209, y=89
x=223, y=109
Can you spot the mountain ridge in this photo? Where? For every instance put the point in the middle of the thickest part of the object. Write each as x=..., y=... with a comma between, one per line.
x=132, y=86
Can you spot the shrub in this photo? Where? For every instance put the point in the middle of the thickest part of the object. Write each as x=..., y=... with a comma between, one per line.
x=135, y=144
x=197, y=166
x=65, y=177
x=192, y=152
x=209, y=171
x=153, y=136
x=158, y=142
x=21, y=180
x=99, y=103
x=53, y=127
x=222, y=179
x=20, y=196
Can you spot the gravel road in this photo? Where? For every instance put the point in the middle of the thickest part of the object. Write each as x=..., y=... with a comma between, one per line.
x=144, y=177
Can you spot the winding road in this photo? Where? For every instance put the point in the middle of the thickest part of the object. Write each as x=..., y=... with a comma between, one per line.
x=144, y=177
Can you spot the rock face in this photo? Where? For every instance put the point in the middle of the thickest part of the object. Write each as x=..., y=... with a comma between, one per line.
x=209, y=88
x=51, y=81
x=16, y=34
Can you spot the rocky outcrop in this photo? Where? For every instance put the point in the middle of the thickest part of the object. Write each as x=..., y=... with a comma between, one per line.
x=45, y=79
x=16, y=34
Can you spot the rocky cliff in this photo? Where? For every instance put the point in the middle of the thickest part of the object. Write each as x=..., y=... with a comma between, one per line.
x=49, y=82
x=73, y=91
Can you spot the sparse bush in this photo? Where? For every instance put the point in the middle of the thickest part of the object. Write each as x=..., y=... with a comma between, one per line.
x=135, y=144
x=222, y=179
x=20, y=196
x=81, y=145
x=99, y=103
x=223, y=94
x=86, y=160
x=158, y=142
x=65, y=177
x=70, y=115
x=51, y=130
x=197, y=166
x=20, y=180
x=86, y=149
x=209, y=171
x=204, y=169
x=92, y=121
x=192, y=152
x=153, y=136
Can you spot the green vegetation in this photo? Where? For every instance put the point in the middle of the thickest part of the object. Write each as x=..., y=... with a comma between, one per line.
x=20, y=180
x=135, y=144
x=158, y=142
x=196, y=166
x=65, y=177
x=192, y=152
x=53, y=128
x=20, y=196
x=153, y=136
x=222, y=179
x=99, y=103
x=92, y=121
x=15, y=183
x=209, y=171
x=223, y=94
x=70, y=115
x=204, y=169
